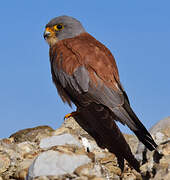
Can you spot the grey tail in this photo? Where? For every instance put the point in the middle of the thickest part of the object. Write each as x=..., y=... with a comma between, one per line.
x=141, y=132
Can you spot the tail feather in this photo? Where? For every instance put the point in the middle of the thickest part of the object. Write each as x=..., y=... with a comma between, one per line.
x=146, y=140
x=136, y=126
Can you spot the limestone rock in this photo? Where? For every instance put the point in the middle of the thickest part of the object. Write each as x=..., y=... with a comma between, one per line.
x=42, y=153
x=51, y=163
x=132, y=141
x=32, y=134
x=4, y=162
x=58, y=140
x=161, y=131
x=156, y=164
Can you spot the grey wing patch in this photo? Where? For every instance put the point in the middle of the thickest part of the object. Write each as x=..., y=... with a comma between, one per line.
x=62, y=77
x=78, y=82
x=81, y=76
x=124, y=117
x=105, y=95
x=67, y=81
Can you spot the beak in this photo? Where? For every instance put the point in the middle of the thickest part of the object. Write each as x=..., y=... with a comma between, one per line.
x=46, y=34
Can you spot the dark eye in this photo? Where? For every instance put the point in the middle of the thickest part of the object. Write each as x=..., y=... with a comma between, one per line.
x=59, y=26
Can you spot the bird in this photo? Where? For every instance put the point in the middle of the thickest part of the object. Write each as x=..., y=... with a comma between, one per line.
x=85, y=74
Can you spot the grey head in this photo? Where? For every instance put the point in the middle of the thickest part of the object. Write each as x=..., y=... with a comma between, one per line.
x=62, y=27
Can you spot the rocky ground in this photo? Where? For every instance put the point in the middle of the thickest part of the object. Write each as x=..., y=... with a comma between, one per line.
x=42, y=153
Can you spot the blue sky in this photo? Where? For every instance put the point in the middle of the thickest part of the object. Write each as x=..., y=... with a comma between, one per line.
x=136, y=32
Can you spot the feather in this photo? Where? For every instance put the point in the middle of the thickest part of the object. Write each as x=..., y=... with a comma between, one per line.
x=85, y=73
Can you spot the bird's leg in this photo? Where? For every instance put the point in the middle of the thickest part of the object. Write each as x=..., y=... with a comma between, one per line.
x=72, y=114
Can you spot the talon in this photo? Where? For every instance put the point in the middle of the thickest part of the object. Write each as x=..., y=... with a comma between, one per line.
x=72, y=114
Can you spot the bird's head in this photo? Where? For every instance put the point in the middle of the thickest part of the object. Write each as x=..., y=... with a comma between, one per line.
x=62, y=27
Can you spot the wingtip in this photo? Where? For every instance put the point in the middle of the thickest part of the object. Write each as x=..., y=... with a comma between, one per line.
x=147, y=140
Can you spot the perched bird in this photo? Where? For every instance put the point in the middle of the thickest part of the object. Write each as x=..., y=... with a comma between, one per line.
x=85, y=73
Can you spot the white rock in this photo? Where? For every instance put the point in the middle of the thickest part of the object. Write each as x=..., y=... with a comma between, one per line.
x=52, y=163
x=159, y=137
x=162, y=124
x=86, y=144
x=58, y=140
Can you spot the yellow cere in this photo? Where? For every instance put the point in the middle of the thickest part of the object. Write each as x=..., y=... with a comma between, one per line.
x=49, y=29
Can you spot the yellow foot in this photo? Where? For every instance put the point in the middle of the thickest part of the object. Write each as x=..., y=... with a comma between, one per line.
x=70, y=115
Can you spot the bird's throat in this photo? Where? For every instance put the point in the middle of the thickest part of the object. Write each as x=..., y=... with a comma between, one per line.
x=52, y=40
